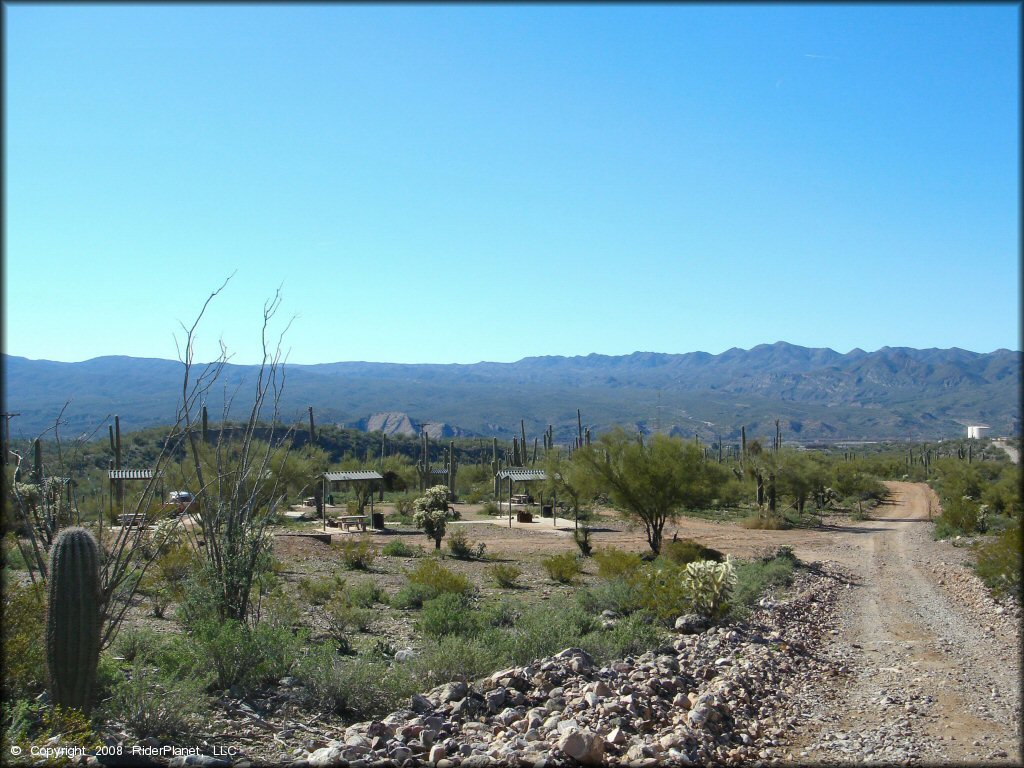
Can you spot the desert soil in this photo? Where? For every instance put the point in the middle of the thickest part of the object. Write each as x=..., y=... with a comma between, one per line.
x=932, y=662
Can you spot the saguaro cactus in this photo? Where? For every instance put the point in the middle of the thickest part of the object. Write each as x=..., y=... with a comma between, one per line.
x=73, y=618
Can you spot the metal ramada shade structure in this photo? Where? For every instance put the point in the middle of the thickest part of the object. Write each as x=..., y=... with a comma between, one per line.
x=357, y=474
x=130, y=474
x=522, y=475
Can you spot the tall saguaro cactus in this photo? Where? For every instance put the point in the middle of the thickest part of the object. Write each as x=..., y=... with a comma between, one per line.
x=73, y=618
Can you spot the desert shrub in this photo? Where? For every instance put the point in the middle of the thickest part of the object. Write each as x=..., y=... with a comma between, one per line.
x=456, y=657
x=432, y=574
x=155, y=704
x=319, y=591
x=563, y=568
x=399, y=548
x=960, y=516
x=756, y=577
x=998, y=563
x=448, y=614
x=491, y=508
x=582, y=538
x=685, y=551
x=461, y=547
x=238, y=655
x=614, y=562
x=157, y=594
x=23, y=628
x=137, y=643
x=342, y=616
x=540, y=631
x=366, y=594
x=630, y=636
x=505, y=575
x=499, y=613
x=413, y=596
x=766, y=522
x=619, y=594
x=359, y=688
x=358, y=554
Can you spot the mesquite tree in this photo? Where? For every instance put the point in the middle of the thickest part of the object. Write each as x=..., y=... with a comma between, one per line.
x=652, y=482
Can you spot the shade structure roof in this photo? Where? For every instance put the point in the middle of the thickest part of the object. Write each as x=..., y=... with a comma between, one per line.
x=518, y=474
x=130, y=474
x=350, y=475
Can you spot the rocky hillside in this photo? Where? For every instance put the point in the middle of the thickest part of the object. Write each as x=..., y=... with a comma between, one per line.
x=817, y=394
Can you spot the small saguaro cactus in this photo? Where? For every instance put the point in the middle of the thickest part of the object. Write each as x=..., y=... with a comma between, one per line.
x=73, y=618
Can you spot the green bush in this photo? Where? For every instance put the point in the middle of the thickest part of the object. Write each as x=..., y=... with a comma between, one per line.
x=614, y=562
x=756, y=577
x=685, y=551
x=155, y=704
x=619, y=594
x=319, y=591
x=505, y=575
x=998, y=563
x=238, y=655
x=460, y=546
x=358, y=554
x=365, y=595
x=137, y=643
x=448, y=614
x=413, y=596
x=563, y=568
x=457, y=657
x=631, y=636
x=433, y=575
x=23, y=628
x=342, y=616
x=362, y=688
x=540, y=631
x=491, y=508
x=399, y=548
x=960, y=516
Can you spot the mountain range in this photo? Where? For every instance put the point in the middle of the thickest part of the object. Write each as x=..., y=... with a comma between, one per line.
x=818, y=394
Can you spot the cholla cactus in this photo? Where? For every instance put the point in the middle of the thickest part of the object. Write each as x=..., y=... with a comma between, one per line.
x=710, y=584
x=431, y=513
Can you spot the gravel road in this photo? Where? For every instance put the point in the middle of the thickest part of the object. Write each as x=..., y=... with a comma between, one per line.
x=934, y=662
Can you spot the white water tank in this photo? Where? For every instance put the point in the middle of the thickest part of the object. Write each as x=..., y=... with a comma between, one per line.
x=977, y=430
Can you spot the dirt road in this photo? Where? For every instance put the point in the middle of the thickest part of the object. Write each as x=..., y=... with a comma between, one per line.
x=934, y=664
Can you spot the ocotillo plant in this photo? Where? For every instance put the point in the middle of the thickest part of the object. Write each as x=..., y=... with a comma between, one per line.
x=73, y=618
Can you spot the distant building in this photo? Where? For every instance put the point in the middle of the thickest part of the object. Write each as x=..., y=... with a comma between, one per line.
x=978, y=430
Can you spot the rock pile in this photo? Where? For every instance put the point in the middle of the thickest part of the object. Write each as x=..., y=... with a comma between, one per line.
x=724, y=695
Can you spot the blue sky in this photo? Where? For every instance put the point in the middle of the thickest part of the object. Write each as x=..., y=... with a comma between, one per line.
x=463, y=183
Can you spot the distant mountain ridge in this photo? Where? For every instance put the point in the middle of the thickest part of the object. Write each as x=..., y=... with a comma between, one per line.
x=817, y=393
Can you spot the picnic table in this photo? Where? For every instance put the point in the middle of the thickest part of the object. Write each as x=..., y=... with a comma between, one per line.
x=129, y=519
x=521, y=498
x=346, y=522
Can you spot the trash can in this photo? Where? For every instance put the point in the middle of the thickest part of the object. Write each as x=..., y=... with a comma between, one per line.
x=545, y=511
x=377, y=521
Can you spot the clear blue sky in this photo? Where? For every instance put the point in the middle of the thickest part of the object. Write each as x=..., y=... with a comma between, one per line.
x=454, y=184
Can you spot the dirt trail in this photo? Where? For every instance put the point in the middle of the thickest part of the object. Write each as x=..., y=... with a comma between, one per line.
x=934, y=667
